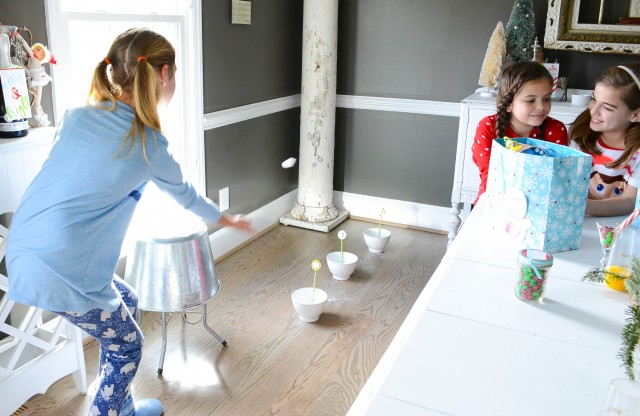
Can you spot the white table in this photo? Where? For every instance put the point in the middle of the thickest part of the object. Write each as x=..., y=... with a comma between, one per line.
x=470, y=347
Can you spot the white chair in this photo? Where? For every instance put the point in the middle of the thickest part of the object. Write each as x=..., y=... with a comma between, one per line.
x=34, y=351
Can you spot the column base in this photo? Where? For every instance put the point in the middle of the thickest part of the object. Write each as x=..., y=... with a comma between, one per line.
x=327, y=226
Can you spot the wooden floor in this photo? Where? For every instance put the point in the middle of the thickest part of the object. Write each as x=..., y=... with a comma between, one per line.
x=276, y=364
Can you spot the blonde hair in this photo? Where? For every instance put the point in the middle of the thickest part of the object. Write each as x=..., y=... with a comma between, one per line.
x=133, y=59
x=620, y=79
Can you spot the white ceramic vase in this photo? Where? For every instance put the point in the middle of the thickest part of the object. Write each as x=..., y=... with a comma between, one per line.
x=309, y=304
x=376, y=244
x=341, y=269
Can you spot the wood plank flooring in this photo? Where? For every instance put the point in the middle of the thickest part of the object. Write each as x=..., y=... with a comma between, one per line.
x=276, y=364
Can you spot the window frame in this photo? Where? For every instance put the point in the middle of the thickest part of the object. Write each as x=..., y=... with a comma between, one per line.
x=190, y=149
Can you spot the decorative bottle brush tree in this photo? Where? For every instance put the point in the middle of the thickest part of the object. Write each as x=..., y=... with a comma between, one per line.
x=520, y=31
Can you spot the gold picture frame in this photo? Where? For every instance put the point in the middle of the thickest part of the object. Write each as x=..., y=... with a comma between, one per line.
x=564, y=32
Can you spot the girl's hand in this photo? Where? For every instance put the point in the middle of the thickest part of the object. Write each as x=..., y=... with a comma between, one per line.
x=239, y=222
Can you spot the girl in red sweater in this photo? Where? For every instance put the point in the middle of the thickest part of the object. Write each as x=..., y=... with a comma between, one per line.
x=523, y=105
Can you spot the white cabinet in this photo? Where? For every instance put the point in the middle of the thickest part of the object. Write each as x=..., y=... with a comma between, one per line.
x=20, y=161
x=467, y=178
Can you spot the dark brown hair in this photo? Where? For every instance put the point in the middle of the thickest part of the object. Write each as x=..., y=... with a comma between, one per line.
x=512, y=78
x=586, y=138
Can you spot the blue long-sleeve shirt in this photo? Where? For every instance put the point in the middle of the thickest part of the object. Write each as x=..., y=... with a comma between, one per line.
x=66, y=235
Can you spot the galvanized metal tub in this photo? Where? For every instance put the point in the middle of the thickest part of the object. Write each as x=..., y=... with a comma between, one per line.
x=172, y=273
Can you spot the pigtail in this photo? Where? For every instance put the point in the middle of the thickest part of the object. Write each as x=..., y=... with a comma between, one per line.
x=101, y=89
x=630, y=90
x=145, y=94
x=145, y=99
x=541, y=128
x=631, y=146
x=583, y=136
x=503, y=116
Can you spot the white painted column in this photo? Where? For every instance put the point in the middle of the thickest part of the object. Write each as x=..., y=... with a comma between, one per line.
x=317, y=118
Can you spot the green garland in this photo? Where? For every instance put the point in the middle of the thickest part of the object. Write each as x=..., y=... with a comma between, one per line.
x=630, y=338
x=631, y=329
x=633, y=284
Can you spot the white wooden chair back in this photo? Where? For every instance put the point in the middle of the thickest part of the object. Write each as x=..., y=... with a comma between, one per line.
x=33, y=354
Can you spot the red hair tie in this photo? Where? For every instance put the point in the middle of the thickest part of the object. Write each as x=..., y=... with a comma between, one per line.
x=107, y=61
x=141, y=57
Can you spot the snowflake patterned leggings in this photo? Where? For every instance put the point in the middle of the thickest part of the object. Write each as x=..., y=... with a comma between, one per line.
x=120, y=351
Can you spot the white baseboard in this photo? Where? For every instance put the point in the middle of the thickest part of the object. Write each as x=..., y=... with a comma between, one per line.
x=400, y=212
x=408, y=213
x=227, y=239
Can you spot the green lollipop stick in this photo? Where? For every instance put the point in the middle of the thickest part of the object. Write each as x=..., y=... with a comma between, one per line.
x=315, y=265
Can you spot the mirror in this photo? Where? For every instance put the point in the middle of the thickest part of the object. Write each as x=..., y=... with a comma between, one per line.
x=593, y=26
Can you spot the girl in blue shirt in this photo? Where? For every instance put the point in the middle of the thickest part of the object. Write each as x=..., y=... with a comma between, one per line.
x=67, y=233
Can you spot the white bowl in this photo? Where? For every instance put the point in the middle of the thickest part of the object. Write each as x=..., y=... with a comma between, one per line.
x=308, y=310
x=376, y=244
x=341, y=270
x=580, y=99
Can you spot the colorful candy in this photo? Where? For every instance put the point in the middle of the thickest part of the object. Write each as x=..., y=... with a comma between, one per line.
x=530, y=285
x=607, y=235
x=526, y=148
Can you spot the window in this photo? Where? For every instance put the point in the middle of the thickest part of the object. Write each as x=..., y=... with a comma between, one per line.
x=81, y=32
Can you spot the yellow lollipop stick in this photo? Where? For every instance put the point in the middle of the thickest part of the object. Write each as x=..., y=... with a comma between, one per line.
x=315, y=265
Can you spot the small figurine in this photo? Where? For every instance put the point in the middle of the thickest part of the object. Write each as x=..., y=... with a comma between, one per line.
x=537, y=52
x=37, y=78
x=562, y=83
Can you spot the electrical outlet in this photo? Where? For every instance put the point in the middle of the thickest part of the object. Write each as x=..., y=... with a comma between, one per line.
x=224, y=199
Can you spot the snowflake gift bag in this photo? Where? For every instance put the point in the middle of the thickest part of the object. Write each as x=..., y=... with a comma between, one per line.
x=554, y=181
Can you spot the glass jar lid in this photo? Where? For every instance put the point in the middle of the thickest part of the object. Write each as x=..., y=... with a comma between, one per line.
x=537, y=258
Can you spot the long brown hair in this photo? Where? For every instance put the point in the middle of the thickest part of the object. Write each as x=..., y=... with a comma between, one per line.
x=512, y=78
x=586, y=138
x=134, y=58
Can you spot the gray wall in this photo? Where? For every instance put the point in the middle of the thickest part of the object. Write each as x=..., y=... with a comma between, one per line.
x=247, y=158
x=418, y=49
x=414, y=48
x=397, y=156
x=427, y=50
x=244, y=65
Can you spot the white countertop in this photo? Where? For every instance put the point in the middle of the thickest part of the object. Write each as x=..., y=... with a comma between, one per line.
x=470, y=347
x=34, y=137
